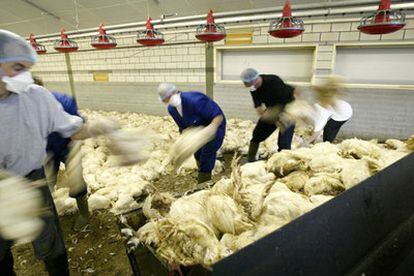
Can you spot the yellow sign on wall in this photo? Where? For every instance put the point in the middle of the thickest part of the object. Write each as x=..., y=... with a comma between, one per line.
x=101, y=76
x=239, y=37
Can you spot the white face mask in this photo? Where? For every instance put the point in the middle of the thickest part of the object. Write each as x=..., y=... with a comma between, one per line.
x=175, y=100
x=252, y=88
x=18, y=83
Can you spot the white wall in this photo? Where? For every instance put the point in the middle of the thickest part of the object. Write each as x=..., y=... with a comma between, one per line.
x=292, y=64
x=376, y=65
x=134, y=74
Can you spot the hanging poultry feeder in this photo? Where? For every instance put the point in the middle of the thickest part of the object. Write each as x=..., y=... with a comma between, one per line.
x=287, y=26
x=64, y=44
x=39, y=48
x=384, y=21
x=150, y=37
x=102, y=41
x=210, y=32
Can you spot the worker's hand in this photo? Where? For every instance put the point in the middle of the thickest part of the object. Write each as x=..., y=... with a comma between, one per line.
x=298, y=112
x=260, y=110
x=284, y=122
x=131, y=146
x=303, y=142
x=20, y=207
x=307, y=141
x=102, y=125
x=271, y=114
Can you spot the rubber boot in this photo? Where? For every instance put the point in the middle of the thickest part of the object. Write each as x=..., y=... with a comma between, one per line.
x=203, y=177
x=6, y=264
x=83, y=218
x=58, y=266
x=253, y=148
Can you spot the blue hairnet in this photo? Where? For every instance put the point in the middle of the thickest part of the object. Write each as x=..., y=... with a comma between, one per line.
x=15, y=48
x=249, y=75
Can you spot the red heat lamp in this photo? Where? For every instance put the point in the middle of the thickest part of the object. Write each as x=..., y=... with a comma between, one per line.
x=64, y=44
x=150, y=37
x=102, y=41
x=286, y=26
x=210, y=32
x=383, y=21
x=39, y=48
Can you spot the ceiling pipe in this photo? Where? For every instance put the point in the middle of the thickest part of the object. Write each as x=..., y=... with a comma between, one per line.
x=230, y=17
x=131, y=33
x=42, y=9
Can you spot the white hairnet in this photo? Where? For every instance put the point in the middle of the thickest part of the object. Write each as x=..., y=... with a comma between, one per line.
x=249, y=75
x=15, y=48
x=166, y=90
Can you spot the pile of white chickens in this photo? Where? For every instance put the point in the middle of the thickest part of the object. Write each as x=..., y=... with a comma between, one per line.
x=117, y=188
x=258, y=198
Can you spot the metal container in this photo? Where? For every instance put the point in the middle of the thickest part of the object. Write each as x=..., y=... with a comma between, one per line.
x=367, y=230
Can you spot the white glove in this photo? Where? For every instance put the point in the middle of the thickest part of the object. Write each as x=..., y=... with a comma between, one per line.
x=20, y=207
x=131, y=146
x=190, y=142
x=102, y=125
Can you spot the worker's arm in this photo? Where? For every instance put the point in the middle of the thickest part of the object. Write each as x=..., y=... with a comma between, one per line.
x=311, y=139
x=68, y=125
x=217, y=120
x=260, y=110
x=95, y=128
x=211, y=129
x=82, y=134
x=209, y=110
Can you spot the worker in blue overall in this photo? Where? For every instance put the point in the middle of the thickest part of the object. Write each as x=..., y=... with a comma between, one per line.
x=192, y=109
x=58, y=149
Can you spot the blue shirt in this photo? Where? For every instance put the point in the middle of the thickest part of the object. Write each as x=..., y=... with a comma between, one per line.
x=55, y=142
x=197, y=110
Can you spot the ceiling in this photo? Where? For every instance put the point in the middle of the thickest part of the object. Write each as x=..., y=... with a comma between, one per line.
x=49, y=16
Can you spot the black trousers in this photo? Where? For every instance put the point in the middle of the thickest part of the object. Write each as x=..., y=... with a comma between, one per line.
x=49, y=246
x=263, y=130
x=331, y=129
x=6, y=261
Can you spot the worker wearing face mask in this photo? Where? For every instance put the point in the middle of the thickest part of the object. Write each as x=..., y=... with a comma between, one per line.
x=28, y=114
x=58, y=150
x=269, y=94
x=191, y=109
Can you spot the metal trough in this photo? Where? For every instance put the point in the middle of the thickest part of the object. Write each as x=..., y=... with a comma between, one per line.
x=367, y=230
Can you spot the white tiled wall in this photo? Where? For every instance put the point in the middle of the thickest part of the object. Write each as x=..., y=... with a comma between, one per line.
x=135, y=72
x=186, y=62
x=175, y=63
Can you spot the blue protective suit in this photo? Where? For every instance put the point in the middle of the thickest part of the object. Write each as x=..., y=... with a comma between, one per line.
x=56, y=144
x=199, y=110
